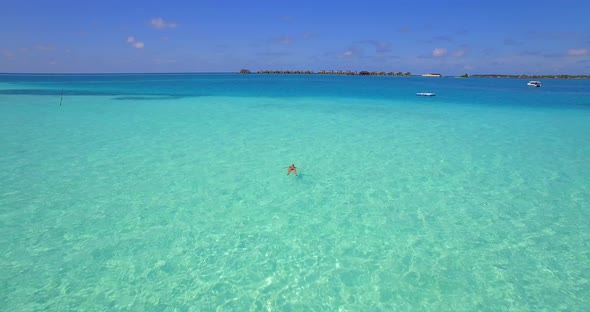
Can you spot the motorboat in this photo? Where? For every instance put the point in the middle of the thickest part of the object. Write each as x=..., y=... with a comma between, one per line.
x=534, y=83
x=425, y=94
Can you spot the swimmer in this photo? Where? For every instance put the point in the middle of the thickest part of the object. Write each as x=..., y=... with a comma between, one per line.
x=292, y=168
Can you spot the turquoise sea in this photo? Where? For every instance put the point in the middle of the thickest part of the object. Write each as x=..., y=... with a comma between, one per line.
x=169, y=193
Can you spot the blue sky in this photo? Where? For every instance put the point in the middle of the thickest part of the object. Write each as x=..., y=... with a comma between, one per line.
x=446, y=36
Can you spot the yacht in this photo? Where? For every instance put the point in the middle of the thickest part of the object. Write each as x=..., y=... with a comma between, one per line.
x=431, y=75
x=534, y=83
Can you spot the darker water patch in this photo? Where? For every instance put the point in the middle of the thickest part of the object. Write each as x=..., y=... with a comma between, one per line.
x=118, y=95
x=149, y=98
x=555, y=93
x=53, y=92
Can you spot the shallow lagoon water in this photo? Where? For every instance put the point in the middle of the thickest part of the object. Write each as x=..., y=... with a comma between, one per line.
x=167, y=192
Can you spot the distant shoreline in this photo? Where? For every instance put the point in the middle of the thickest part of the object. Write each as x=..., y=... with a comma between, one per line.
x=532, y=76
x=405, y=74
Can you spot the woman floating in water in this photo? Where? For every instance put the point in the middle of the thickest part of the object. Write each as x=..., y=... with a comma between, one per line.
x=292, y=168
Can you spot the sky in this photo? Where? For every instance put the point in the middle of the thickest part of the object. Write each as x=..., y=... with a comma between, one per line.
x=436, y=36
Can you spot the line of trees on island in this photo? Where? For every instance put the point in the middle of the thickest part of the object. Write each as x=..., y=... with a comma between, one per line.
x=406, y=74
x=533, y=76
x=328, y=72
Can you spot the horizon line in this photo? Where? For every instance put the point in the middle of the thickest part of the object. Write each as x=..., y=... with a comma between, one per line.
x=256, y=73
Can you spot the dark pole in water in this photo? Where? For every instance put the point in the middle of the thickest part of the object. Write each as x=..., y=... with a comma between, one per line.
x=61, y=97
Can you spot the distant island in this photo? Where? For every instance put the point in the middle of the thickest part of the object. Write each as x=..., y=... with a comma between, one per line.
x=327, y=72
x=533, y=76
x=407, y=74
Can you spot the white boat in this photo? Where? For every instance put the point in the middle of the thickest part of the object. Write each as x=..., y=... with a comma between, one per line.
x=534, y=83
x=425, y=94
x=432, y=75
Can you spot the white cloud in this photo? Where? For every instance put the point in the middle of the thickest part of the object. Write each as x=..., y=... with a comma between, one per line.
x=352, y=52
x=380, y=46
x=160, y=23
x=6, y=53
x=577, y=52
x=44, y=47
x=286, y=40
x=134, y=43
x=459, y=53
x=38, y=47
x=438, y=52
